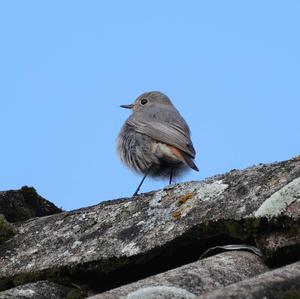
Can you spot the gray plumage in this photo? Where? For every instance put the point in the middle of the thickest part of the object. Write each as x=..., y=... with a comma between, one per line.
x=155, y=139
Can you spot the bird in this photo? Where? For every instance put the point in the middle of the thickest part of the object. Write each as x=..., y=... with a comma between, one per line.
x=155, y=140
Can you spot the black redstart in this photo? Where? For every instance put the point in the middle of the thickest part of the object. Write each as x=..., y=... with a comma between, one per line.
x=155, y=139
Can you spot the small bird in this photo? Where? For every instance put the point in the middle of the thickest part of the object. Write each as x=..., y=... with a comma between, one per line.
x=155, y=139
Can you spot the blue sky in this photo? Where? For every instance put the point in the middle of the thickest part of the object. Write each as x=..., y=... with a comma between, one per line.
x=230, y=67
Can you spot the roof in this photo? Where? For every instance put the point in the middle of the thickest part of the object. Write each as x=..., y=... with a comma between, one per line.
x=153, y=244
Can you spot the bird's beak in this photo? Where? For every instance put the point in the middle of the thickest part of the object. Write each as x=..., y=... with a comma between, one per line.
x=127, y=106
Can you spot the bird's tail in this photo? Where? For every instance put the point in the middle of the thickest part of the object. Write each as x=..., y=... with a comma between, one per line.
x=189, y=161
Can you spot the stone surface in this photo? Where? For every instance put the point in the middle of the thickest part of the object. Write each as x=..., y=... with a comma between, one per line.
x=117, y=234
x=160, y=292
x=280, y=245
x=277, y=284
x=38, y=290
x=278, y=202
x=195, y=278
x=23, y=204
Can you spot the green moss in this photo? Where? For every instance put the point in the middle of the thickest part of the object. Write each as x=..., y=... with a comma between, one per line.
x=104, y=266
x=35, y=205
x=252, y=225
x=23, y=213
x=31, y=196
x=293, y=231
x=242, y=229
x=5, y=283
x=76, y=294
x=66, y=275
x=6, y=229
x=292, y=294
x=232, y=228
x=237, y=229
x=26, y=278
x=56, y=275
x=60, y=276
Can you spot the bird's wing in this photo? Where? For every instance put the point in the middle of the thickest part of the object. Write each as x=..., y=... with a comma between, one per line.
x=165, y=132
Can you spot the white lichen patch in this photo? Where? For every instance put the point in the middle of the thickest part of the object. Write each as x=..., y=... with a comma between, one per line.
x=185, y=209
x=25, y=293
x=136, y=215
x=241, y=210
x=142, y=222
x=208, y=191
x=169, y=227
x=76, y=228
x=131, y=249
x=157, y=212
x=30, y=265
x=280, y=200
x=58, y=223
x=158, y=216
x=76, y=244
x=127, y=204
x=160, y=292
x=157, y=198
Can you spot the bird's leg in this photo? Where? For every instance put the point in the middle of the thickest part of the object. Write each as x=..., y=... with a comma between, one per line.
x=139, y=186
x=171, y=176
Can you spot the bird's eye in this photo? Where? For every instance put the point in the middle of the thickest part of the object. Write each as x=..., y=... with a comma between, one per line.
x=144, y=101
